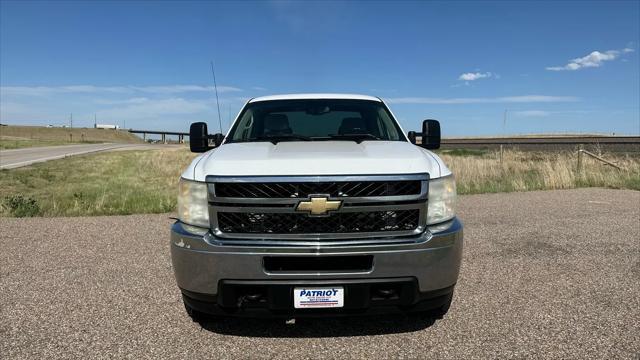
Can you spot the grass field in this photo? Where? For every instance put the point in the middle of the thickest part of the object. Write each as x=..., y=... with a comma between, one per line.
x=479, y=171
x=129, y=182
x=14, y=137
x=120, y=182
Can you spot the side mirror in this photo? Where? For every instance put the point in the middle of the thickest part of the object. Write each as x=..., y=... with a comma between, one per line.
x=412, y=137
x=198, y=137
x=217, y=139
x=431, y=134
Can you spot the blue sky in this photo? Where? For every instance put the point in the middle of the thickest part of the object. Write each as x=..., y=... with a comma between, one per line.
x=553, y=66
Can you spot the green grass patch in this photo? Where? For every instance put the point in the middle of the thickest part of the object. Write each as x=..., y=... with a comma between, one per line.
x=20, y=206
x=112, y=183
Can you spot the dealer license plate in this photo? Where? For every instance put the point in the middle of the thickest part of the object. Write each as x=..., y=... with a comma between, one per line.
x=326, y=297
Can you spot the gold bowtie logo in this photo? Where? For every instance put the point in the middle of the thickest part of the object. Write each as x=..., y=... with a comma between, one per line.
x=318, y=206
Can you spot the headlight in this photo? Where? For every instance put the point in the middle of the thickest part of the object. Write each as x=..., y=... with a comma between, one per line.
x=193, y=207
x=442, y=200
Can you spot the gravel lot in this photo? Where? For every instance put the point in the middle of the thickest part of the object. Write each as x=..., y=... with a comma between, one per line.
x=552, y=274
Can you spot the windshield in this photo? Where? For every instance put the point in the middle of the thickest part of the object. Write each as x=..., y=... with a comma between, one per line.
x=315, y=120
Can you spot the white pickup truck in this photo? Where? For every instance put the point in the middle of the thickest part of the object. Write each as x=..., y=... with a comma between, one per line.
x=316, y=205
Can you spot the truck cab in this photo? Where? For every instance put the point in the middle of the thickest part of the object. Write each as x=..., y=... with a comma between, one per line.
x=316, y=205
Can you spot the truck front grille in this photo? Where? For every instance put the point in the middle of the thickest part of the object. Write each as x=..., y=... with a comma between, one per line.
x=284, y=223
x=304, y=189
x=265, y=208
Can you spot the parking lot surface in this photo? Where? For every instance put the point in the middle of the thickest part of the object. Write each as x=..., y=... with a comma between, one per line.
x=552, y=274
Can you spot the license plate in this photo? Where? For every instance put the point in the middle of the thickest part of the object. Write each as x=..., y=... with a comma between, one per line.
x=326, y=297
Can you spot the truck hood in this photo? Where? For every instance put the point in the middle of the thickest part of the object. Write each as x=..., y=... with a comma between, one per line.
x=316, y=158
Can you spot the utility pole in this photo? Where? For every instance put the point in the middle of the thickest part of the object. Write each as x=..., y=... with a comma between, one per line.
x=95, y=121
x=504, y=133
x=504, y=123
x=71, y=121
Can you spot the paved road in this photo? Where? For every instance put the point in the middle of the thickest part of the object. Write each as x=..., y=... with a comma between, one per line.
x=10, y=159
x=545, y=275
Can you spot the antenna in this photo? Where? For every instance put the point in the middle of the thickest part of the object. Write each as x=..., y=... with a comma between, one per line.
x=215, y=86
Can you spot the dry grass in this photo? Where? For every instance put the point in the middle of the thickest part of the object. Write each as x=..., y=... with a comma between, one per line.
x=130, y=182
x=122, y=182
x=12, y=137
x=524, y=171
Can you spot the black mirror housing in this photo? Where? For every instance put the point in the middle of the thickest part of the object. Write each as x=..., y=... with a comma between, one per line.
x=199, y=137
x=412, y=137
x=217, y=139
x=431, y=134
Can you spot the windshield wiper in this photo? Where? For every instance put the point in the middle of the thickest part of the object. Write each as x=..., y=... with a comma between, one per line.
x=358, y=138
x=274, y=139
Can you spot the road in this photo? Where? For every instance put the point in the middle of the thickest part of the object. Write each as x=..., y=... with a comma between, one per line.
x=551, y=274
x=10, y=159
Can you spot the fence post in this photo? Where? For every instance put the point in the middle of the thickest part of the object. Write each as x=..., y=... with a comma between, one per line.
x=580, y=150
x=70, y=137
x=501, y=153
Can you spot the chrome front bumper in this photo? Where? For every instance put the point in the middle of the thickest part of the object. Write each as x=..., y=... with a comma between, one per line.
x=201, y=262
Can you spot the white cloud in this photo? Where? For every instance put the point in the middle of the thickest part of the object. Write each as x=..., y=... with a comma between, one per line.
x=532, y=113
x=91, y=89
x=172, y=89
x=142, y=108
x=537, y=99
x=594, y=59
x=21, y=113
x=135, y=100
x=49, y=90
x=504, y=99
x=474, y=76
x=544, y=113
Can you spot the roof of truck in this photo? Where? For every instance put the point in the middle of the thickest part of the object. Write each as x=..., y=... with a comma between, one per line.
x=314, y=96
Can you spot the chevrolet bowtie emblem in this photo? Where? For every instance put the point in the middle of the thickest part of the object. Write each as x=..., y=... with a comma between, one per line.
x=318, y=205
